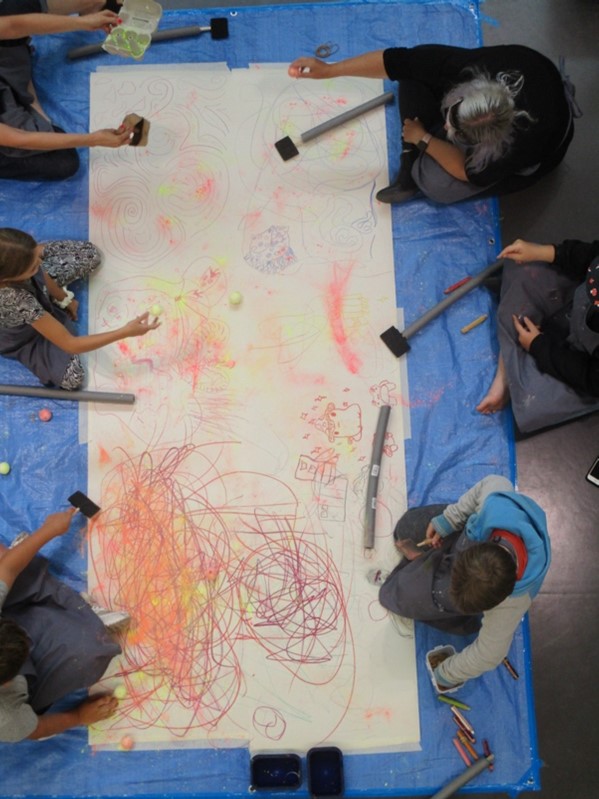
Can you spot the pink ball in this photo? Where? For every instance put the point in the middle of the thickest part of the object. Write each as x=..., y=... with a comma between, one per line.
x=45, y=415
x=127, y=743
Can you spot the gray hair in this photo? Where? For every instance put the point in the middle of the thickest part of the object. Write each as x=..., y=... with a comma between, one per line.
x=485, y=115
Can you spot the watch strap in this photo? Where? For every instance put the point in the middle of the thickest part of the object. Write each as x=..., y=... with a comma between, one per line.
x=424, y=142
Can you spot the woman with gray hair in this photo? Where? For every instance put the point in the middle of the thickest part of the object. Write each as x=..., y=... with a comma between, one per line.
x=485, y=121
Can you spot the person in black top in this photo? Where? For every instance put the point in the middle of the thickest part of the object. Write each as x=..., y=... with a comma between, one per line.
x=548, y=324
x=484, y=121
x=31, y=146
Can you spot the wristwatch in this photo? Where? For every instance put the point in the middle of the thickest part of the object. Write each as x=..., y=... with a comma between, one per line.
x=424, y=142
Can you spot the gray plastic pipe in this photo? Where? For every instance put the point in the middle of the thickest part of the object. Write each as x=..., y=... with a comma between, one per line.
x=352, y=113
x=61, y=394
x=158, y=36
x=471, y=772
x=373, y=475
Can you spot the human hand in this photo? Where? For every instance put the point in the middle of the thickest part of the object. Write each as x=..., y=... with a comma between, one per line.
x=443, y=688
x=71, y=309
x=432, y=536
x=140, y=325
x=527, y=332
x=58, y=523
x=111, y=138
x=102, y=20
x=522, y=252
x=96, y=709
x=309, y=67
x=413, y=130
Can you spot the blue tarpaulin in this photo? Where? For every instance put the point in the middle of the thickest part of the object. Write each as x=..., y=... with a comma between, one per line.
x=451, y=445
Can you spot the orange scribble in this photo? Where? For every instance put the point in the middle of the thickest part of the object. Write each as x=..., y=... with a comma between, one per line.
x=103, y=456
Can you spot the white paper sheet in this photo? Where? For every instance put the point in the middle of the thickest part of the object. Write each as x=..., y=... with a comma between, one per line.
x=233, y=490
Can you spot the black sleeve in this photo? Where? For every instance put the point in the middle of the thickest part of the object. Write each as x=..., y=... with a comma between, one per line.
x=438, y=66
x=493, y=172
x=575, y=368
x=573, y=258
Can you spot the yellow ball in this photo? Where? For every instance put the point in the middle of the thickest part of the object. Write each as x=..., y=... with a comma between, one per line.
x=120, y=692
x=235, y=297
x=4, y=467
x=156, y=310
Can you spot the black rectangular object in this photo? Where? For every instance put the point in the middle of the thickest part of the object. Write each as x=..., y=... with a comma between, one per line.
x=286, y=148
x=276, y=771
x=593, y=473
x=84, y=504
x=395, y=341
x=219, y=28
x=325, y=771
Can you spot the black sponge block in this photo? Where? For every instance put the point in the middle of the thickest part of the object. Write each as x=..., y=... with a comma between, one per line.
x=219, y=28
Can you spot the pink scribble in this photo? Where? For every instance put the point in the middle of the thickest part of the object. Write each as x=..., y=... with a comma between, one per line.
x=334, y=304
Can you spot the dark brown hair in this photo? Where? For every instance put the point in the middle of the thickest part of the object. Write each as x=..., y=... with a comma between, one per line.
x=481, y=577
x=17, y=250
x=14, y=648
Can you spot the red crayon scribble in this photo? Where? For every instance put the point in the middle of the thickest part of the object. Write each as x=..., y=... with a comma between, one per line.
x=201, y=570
x=385, y=712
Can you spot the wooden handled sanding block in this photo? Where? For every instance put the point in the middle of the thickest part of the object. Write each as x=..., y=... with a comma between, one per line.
x=141, y=129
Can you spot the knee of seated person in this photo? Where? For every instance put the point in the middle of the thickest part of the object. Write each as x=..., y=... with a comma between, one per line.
x=77, y=381
x=14, y=649
x=437, y=196
x=73, y=377
x=63, y=165
x=96, y=258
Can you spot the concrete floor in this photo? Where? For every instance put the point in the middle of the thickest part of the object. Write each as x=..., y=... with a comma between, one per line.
x=552, y=464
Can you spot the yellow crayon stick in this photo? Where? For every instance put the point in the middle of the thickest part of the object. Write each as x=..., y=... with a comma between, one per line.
x=475, y=323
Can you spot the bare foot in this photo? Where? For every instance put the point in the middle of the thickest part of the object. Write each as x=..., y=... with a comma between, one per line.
x=498, y=395
x=408, y=548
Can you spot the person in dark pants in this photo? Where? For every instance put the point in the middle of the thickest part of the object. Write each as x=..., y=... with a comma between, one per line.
x=52, y=642
x=476, y=122
x=548, y=327
x=31, y=146
x=487, y=555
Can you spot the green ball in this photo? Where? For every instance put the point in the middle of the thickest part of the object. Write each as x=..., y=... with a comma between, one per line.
x=4, y=467
x=235, y=297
